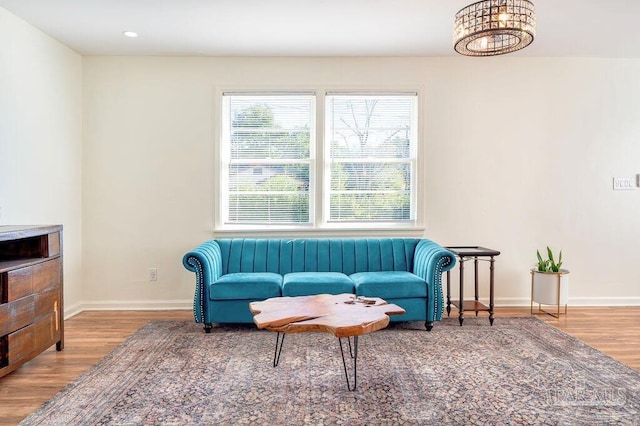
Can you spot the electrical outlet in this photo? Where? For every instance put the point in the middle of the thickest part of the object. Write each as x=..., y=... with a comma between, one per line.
x=153, y=274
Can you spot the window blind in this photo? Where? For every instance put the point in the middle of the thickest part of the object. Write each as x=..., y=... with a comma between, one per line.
x=371, y=156
x=267, y=146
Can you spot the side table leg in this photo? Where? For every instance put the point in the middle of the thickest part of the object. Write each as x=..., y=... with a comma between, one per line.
x=448, y=293
x=491, y=262
x=475, y=278
x=354, y=355
x=461, y=306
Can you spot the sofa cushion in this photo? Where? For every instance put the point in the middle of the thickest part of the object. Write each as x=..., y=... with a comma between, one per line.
x=246, y=286
x=308, y=283
x=389, y=284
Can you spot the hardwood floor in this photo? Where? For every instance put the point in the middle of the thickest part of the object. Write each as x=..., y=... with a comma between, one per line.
x=613, y=330
x=89, y=336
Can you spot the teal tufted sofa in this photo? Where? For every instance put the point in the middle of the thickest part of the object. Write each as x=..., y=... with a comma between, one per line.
x=231, y=273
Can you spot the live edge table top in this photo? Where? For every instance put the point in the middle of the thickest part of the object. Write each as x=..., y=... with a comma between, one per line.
x=341, y=315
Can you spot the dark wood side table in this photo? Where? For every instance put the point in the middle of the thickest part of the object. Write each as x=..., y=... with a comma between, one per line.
x=475, y=253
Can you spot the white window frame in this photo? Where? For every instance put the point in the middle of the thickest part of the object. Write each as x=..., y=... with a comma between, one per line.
x=226, y=162
x=412, y=161
x=318, y=172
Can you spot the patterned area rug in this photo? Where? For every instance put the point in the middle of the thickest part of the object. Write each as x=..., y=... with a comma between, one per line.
x=520, y=371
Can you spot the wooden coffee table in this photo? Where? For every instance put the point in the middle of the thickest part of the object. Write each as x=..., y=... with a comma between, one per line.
x=342, y=315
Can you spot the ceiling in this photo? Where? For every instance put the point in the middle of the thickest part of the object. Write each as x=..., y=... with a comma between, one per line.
x=594, y=28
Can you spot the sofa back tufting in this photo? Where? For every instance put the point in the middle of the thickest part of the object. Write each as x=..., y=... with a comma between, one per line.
x=283, y=256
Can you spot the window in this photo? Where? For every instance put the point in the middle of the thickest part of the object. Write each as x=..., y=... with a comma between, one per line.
x=371, y=157
x=267, y=153
x=278, y=169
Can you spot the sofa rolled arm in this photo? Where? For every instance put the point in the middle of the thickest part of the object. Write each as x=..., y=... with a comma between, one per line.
x=429, y=262
x=206, y=261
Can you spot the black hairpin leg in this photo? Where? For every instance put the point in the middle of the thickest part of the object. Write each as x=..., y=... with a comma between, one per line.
x=354, y=356
x=279, y=343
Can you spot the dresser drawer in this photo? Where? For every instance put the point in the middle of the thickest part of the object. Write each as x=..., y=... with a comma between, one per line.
x=33, y=339
x=45, y=332
x=46, y=303
x=32, y=279
x=18, y=283
x=16, y=314
x=47, y=275
x=20, y=345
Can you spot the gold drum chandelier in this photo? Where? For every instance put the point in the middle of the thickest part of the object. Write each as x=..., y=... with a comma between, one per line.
x=494, y=27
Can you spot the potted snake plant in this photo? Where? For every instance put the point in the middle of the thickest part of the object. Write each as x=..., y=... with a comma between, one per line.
x=549, y=282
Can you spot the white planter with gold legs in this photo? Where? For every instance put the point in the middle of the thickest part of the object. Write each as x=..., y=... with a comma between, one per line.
x=550, y=288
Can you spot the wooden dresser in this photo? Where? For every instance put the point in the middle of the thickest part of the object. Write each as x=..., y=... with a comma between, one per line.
x=31, y=303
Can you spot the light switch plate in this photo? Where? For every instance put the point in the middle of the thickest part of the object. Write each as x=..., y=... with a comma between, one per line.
x=623, y=183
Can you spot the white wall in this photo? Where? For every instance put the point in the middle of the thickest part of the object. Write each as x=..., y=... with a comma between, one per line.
x=40, y=139
x=520, y=154
x=529, y=147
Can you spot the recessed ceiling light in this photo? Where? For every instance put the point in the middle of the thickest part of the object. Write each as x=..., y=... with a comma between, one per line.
x=131, y=34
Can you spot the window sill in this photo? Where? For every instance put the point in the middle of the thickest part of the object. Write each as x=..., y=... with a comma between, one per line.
x=344, y=231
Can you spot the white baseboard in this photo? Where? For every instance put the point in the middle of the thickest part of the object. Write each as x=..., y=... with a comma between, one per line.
x=173, y=305
x=604, y=301
x=129, y=305
x=573, y=301
x=70, y=311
